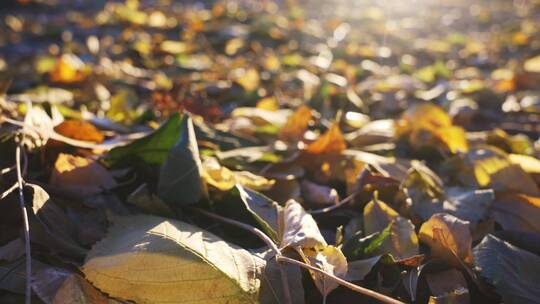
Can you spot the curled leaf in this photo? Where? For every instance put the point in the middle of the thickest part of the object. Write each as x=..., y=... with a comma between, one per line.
x=296, y=124
x=332, y=141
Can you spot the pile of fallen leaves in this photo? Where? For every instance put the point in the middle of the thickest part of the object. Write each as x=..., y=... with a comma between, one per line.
x=262, y=152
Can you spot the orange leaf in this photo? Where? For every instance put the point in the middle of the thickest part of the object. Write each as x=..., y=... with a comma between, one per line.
x=332, y=141
x=80, y=130
x=296, y=124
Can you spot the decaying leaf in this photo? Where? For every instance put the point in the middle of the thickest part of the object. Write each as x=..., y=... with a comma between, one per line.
x=448, y=287
x=513, y=271
x=448, y=237
x=331, y=260
x=264, y=210
x=224, y=179
x=149, y=259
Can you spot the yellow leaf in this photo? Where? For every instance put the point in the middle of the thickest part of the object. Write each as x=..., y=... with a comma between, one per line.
x=448, y=237
x=491, y=167
x=268, y=103
x=331, y=260
x=249, y=80
x=428, y=125
x=75, y=289
x=528, y=163
x=224, y=179
x=332, y=141
x=532, y=64
x=296, y=124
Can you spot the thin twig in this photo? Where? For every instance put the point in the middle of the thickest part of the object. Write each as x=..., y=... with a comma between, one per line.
x=247, y=227
x=28, y=290
x=7, y=170
x=333, y=207
x=8, y=191
x=352, y=286
x=264, y=238
x=280, y=258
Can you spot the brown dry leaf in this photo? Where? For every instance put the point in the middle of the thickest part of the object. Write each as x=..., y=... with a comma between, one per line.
x=332, y=141
x=490, y=167
x=80, y=130
x=448, y=237
x=296, y=124
x=81, y=175
x=318, y=194
x=377, y=215
x=428, y=125
x=520, y=212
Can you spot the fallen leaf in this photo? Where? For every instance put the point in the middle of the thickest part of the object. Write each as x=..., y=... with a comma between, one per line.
x=76, y=289
x=448, y=287
x=264, y=210
x=299, y=228
x=153, y=148
x=515, y=211
x=448, y=237
x=80, y=175
x=80, y=130
x=12, y=250
x=514, y=272
x=129, y=264
x=357, y=270
x=318, y=195
x=402, y=241
x=331, y=141
x=426, y=125
x=331, y=260
x=296, y=124
x=528, y=163
x=180, y=180
x=149, y=202
x=491, y=167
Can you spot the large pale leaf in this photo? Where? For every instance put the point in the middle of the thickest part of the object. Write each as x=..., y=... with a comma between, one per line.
x=152, y=149
x=180, y=180
x=448, y=237
x=150, y=259
x=514, y=272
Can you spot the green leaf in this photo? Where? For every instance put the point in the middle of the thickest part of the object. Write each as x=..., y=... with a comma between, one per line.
x=151, y=149
x=378, y=240
x=514, y=272
x=149, y=259
x=263, y=209
x=180, y=180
